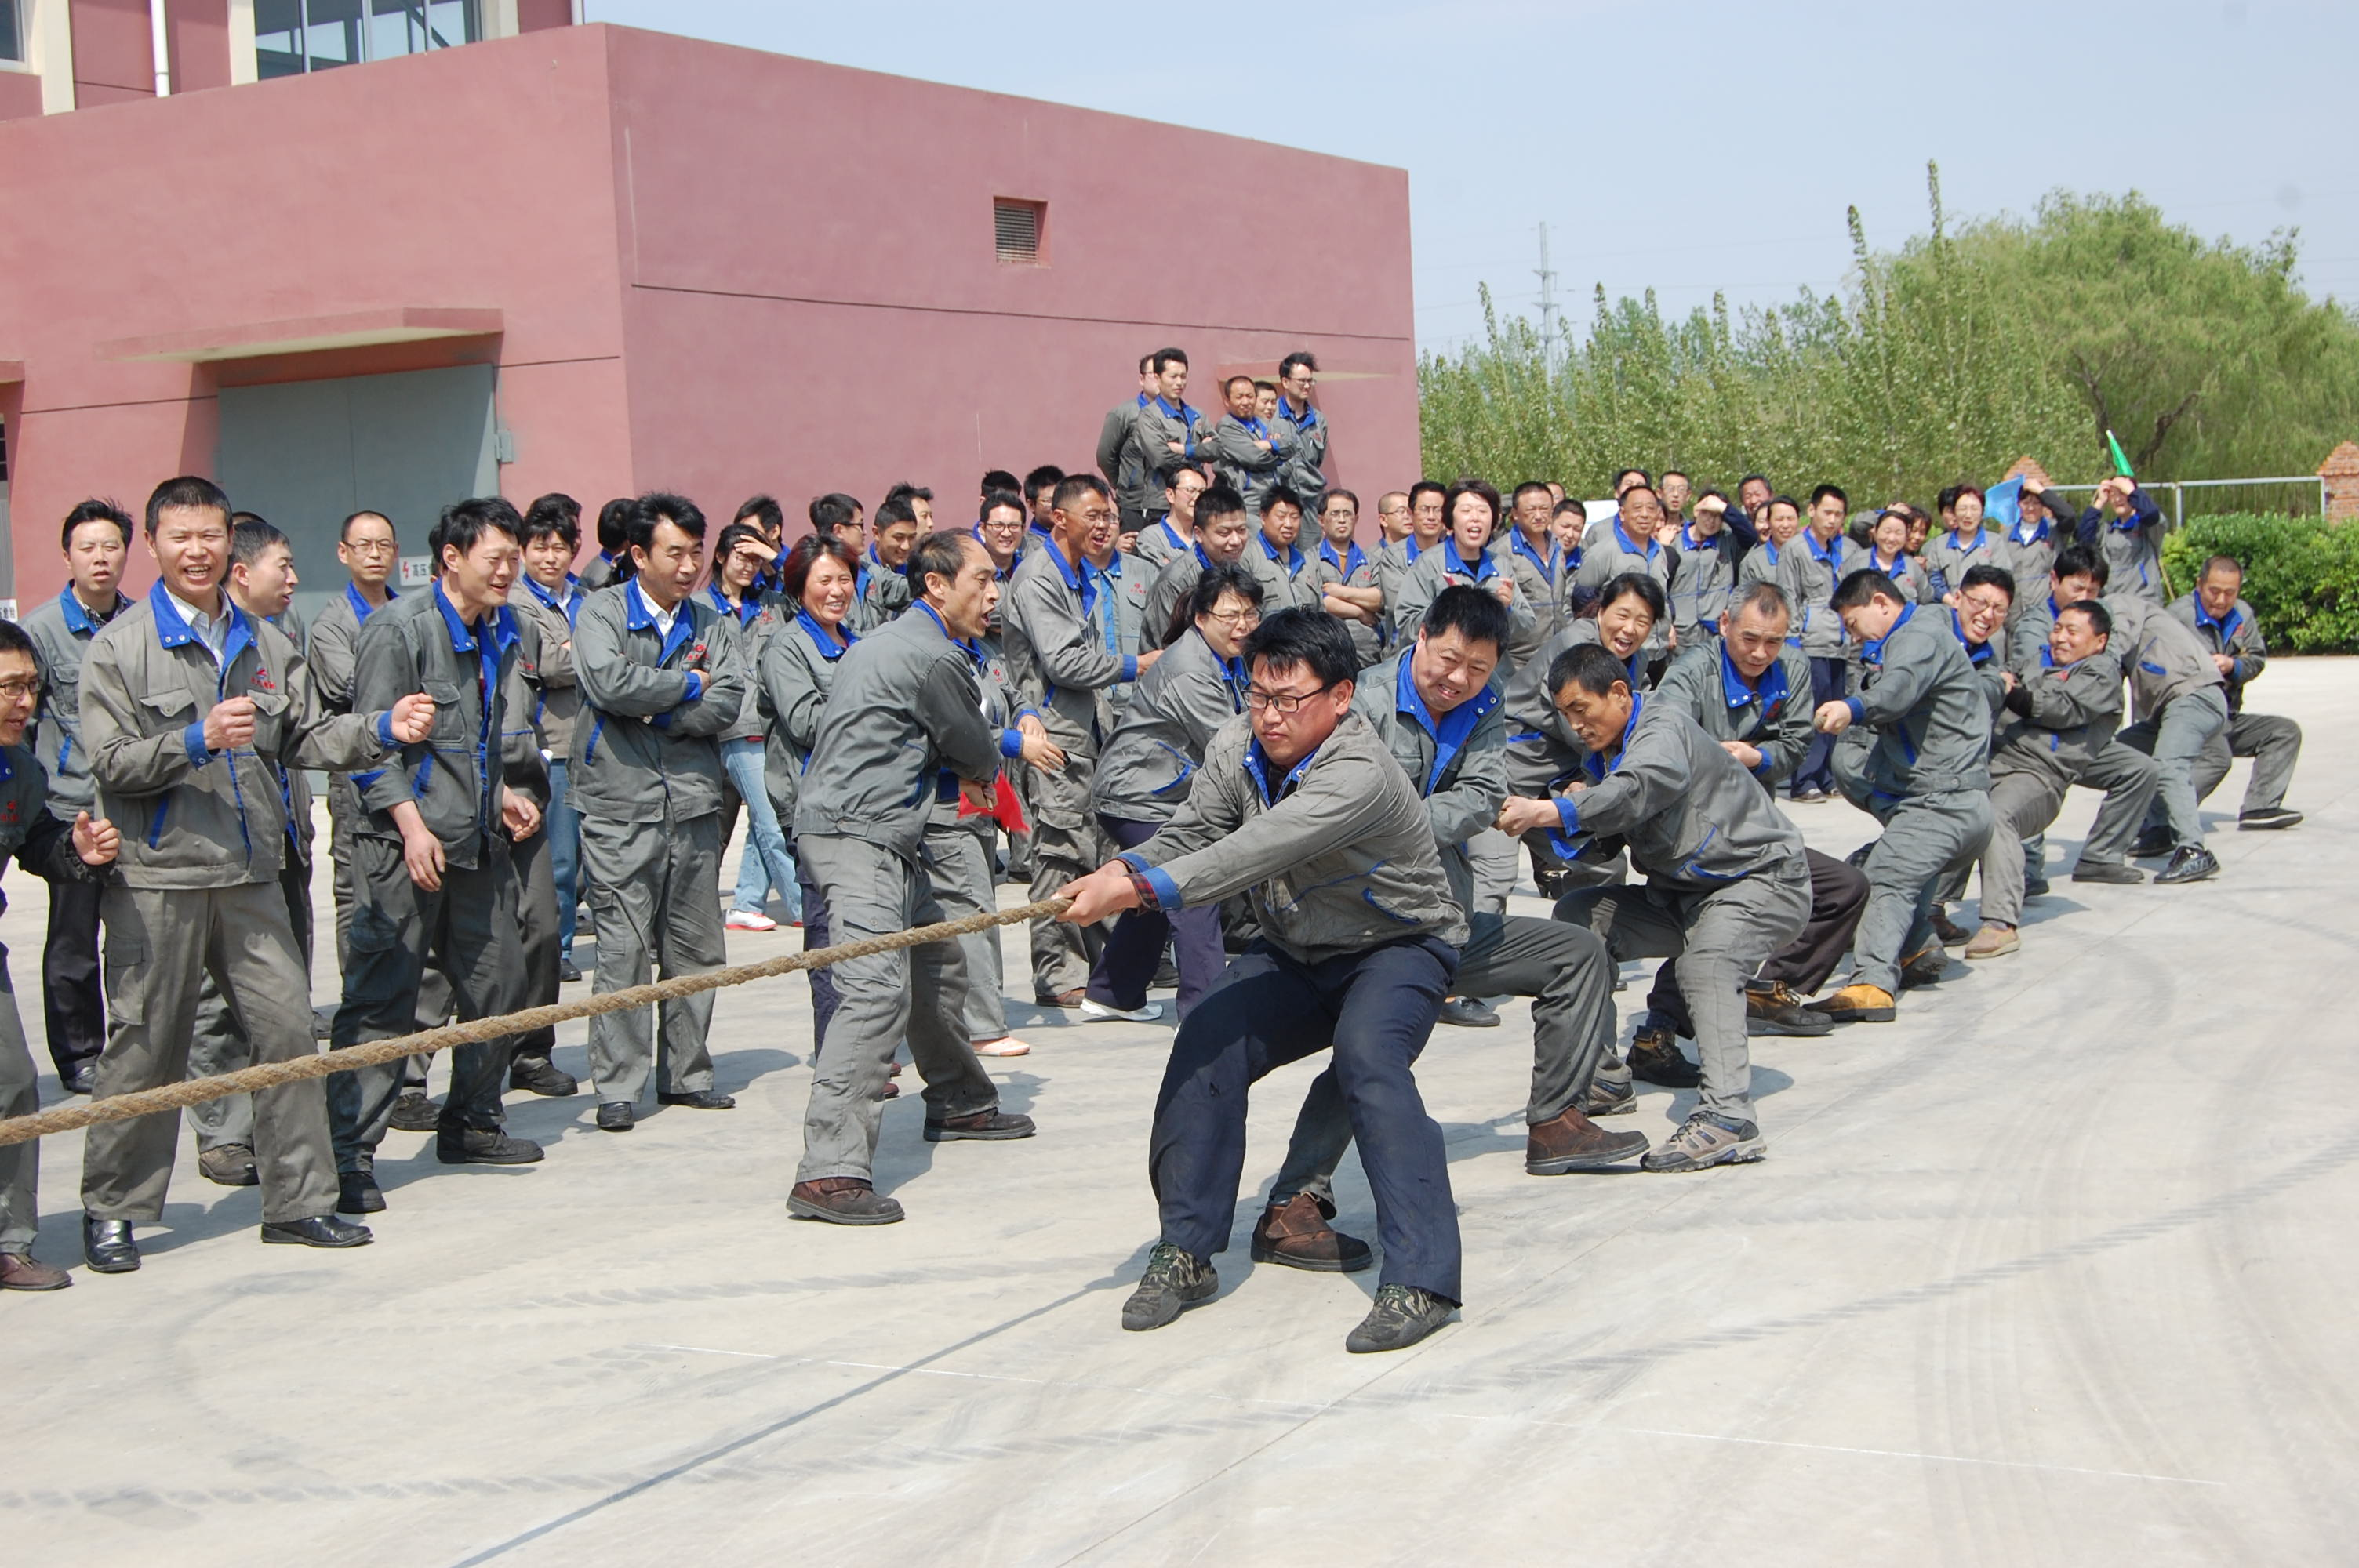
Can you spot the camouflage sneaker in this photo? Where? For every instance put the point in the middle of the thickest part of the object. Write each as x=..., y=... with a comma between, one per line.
x=1175, y=1280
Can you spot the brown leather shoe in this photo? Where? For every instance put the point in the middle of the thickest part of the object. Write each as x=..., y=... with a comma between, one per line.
x=1296, y=1233
x=22, y=1272
x=1571, y=1141
x=1071, y=999
x=842, y=1200
x=1858, y=1003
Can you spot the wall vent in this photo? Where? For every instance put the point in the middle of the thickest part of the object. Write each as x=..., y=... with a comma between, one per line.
x=1018, y=229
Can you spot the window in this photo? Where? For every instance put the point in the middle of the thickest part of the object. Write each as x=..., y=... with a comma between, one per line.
x=291, y=37
x=1018, y=229
x=12, y=31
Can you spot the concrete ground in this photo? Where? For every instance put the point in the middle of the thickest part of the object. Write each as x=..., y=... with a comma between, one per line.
x=2048, y=1270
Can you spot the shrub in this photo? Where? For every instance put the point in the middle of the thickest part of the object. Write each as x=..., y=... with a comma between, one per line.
x=2301, y=575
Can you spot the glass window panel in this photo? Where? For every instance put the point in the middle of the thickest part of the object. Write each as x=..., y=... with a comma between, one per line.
x=278, y=38
x=331, y=34
x=453, y=22
x=12, y=31
x=395, y=28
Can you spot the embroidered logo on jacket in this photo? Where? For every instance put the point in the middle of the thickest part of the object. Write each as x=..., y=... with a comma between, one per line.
x=262, y=681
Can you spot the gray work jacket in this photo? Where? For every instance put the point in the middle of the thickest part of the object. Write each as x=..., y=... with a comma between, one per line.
x=1174, y=581
x=2059, y=718
x=2238, y=636
x=1908, y=573
x=1353, y=567
x=879, y=592
x=547, y=661
x=2162, y=656
x=1117, y=458
x=1686, y=812
x=1308, y=471
x=1921, y=694
x=1143, y=774
x=1337, y=851
x=644, y=744
x=1443, y=566
x=1055, y=634
x=1286, y=581
x=1809, y=574
x=1772, y=715
x=1947, y=558
x=1616, y=553
x=1704, y=575
x=190, y=816
x=1152, y=428
x=902, y=725
x=334, y=644
x=601, y=570
x=1456, y=763
x=2033, y=562
x=41, y=842
x=793, y=676
x=62, y=629
x=1544, y=586
x=2131, y=548
x=1122, y=583
x=419, y=643
x=1160, y=544
x=1246, y=462
x=756, y=620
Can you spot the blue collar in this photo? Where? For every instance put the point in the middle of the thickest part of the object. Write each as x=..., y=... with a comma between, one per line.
x=1082, y=581
x=172, y=632
x=1770, y=693
x=1481, y=569
x=1348, y=562
x=935, y=616
x=2038, y=535
x=1654, y=545
x=1186, y=418
x=1450, y=731
x=1873, y=653
x=822, y=639
x=1257, y=764
x=1595, y=766
x=78, y=619
x=1980, y=535
x=2226, y=628
x=362, y=608
x=1976, y=652
x=572, y=596
x=1769, y=548
x=1260, y=430
x=1306, y=420
x=1689, y=540
x=1293, y=556
x=1547, y=565
x=639, y=617
x=1410, y=549
x=1179, y=541
x=745, y=612
x=1892, y=569
x=1831, y=556
x=501, y=623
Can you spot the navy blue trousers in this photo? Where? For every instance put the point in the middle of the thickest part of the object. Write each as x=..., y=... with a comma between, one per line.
x=1127, y=962
x=1818, y=762
x=1374, y=1009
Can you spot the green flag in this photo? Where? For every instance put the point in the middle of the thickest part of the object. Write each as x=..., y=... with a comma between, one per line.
x=2121, y=460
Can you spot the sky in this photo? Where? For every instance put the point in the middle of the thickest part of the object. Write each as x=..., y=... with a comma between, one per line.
x=1688, y=147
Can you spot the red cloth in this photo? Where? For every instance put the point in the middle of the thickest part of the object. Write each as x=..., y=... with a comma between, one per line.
x=1005, y=809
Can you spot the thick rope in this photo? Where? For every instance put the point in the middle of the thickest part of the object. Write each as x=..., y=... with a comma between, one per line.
x=270, y=1075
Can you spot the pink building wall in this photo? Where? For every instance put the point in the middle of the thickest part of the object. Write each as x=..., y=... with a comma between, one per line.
x=691, y=295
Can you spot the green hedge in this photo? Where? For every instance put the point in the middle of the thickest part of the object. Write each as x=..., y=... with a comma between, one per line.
x=2300, y=575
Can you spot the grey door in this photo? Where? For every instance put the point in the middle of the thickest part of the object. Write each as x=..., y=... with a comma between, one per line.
x=308, y=454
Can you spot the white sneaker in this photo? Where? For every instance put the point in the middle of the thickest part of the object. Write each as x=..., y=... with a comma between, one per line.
x=749, y=920
x=1098, y=1012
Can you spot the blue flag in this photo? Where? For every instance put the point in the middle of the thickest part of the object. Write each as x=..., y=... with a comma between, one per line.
x=2003, y=503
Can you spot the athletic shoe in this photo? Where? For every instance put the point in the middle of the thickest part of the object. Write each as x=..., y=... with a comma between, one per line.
x=2108, y=871
x=1704, y=1141
x=1994, y=942
x=749, y=920
x=1403, y=1315
x=2266, y=817
x=1175, y=1280
x=2189, y=863
x=1106, y=1012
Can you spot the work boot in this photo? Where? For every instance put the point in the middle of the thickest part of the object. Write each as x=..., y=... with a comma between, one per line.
x=539, y=1076
x=1704, y=1141
x=986, y=1125
x=2153, y=841
x=413, y=1112
x=1571, y=1141
x=2035, y=887
x=1925, y=967
x=1402, y=1315
x=2108, y=871
x=842, y=1200
x=1857, y=1004
x=229, y=1164
x=22, y=1272
x=1606, y=1097
x=1174, y=1281
x=1948, y=931
x=1466, y=1012
x=1994, y=942
x=1655, y=1057
x=2189, y=863
x=357, y=1193
x=699, y=1099
x=617, y=1116
x=1779, y=1010
x=483, y=1146
x=2266, y=817
x=1296, y=1233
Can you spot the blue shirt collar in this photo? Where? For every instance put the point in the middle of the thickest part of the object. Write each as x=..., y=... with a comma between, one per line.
x=1293, y=556
x=1257, y=764
x=1596, y=766
x=1740, y=692
x=1481, y=568
x=1873, y=653
x=640, y=616
x=1548, y=565
x=572, y=596
x=1981, y=535
x=78, y=619
x=935, y=616
x=1347, y=563
x=362, y=608
x=744, y=612
x=1654, y=545
x=2038, y=534
x=827, y=642
x=2226, y=627
x=1179, y=541
x=172, y=632
x=1688, y=537
x=501, y=623
x=1450, y=731
x=1830, y=554
x=1306, y=420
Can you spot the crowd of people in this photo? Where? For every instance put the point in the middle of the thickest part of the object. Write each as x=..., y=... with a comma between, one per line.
x=1293, y=777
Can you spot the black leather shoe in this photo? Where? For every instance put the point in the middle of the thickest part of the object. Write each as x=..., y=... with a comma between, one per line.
x=2267, y=817
x=413, y=1112
x=2108, y=871
x=107, y=1247
x=984, y=1124
x=566, y=972
x=616, y=1116
x=80, y=1078
x=319, y=1230
x=1655, y=1057
x=356, y=1193
x=1466, y=1012
x=2189, y=863
x=539, y=1076
x=699, y=1099
x=485, y=1146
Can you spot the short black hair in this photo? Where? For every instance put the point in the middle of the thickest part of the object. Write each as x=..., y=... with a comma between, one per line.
x=1863, y=585
x=188, y=489
x=1220, y=499
x=940, y=554
x=344, y=529
x=1307, y=639
x=1421, y=486
x=93, y=511
x=1754, y=478
x=1780, y=498
x=1989, y=576
x=555, y=514
x=833, y=510
x=1570, y=505
x=905, y=491
x=1516, y=496
x=762, y=509
x=1644, y=478
x=896, y=508
x=1766, y=596
x=1639, y=583
x=614, y=524
x=993, y=500
x=1589, y=666
x=1071, y=487
x=1298, y=357
x=1163, y=357
x=1473, y=613
x=2211, y=564
x=999, y=479
x=12, y=640
x=1281, y=493
x=1047, y=477
x=651, y=510
x=464, y=522
x=2079, y=561
x=2101, y=619
x=1169, y=470
x=1223, y=576
x=1338, y=493
x=1669, y=474
x=1821, y=492
x=250, y=536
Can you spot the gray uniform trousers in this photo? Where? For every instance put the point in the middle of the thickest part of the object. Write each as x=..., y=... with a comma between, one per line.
x=655, y=893
x=219, y=1048
x=160, y=944
x=1067, y=844
x=1925, y=841
x=467, y=931
x=1566, y=972
x=911, y=991
x=1717, y=939
x=20, y=1163
x=1494, y=857
x=2275, y=745
x=2022, y=806
x=2128, y=779
x=536, y=901
x=2192, y=722
x=957, y=860
x=344, y=811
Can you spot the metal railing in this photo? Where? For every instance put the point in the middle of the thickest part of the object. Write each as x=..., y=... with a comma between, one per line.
x=2178, y=487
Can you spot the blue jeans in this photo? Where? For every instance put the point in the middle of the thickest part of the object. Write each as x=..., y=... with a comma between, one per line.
x=1127, y=962
x=1827, y=677
x=765, y=865
x=564, y=830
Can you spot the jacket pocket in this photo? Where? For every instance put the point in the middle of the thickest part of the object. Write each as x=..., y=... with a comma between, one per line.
x=126, y=976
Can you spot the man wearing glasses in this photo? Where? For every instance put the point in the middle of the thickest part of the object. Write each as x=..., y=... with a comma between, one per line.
x=1300, y=806
x=1298, y=377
